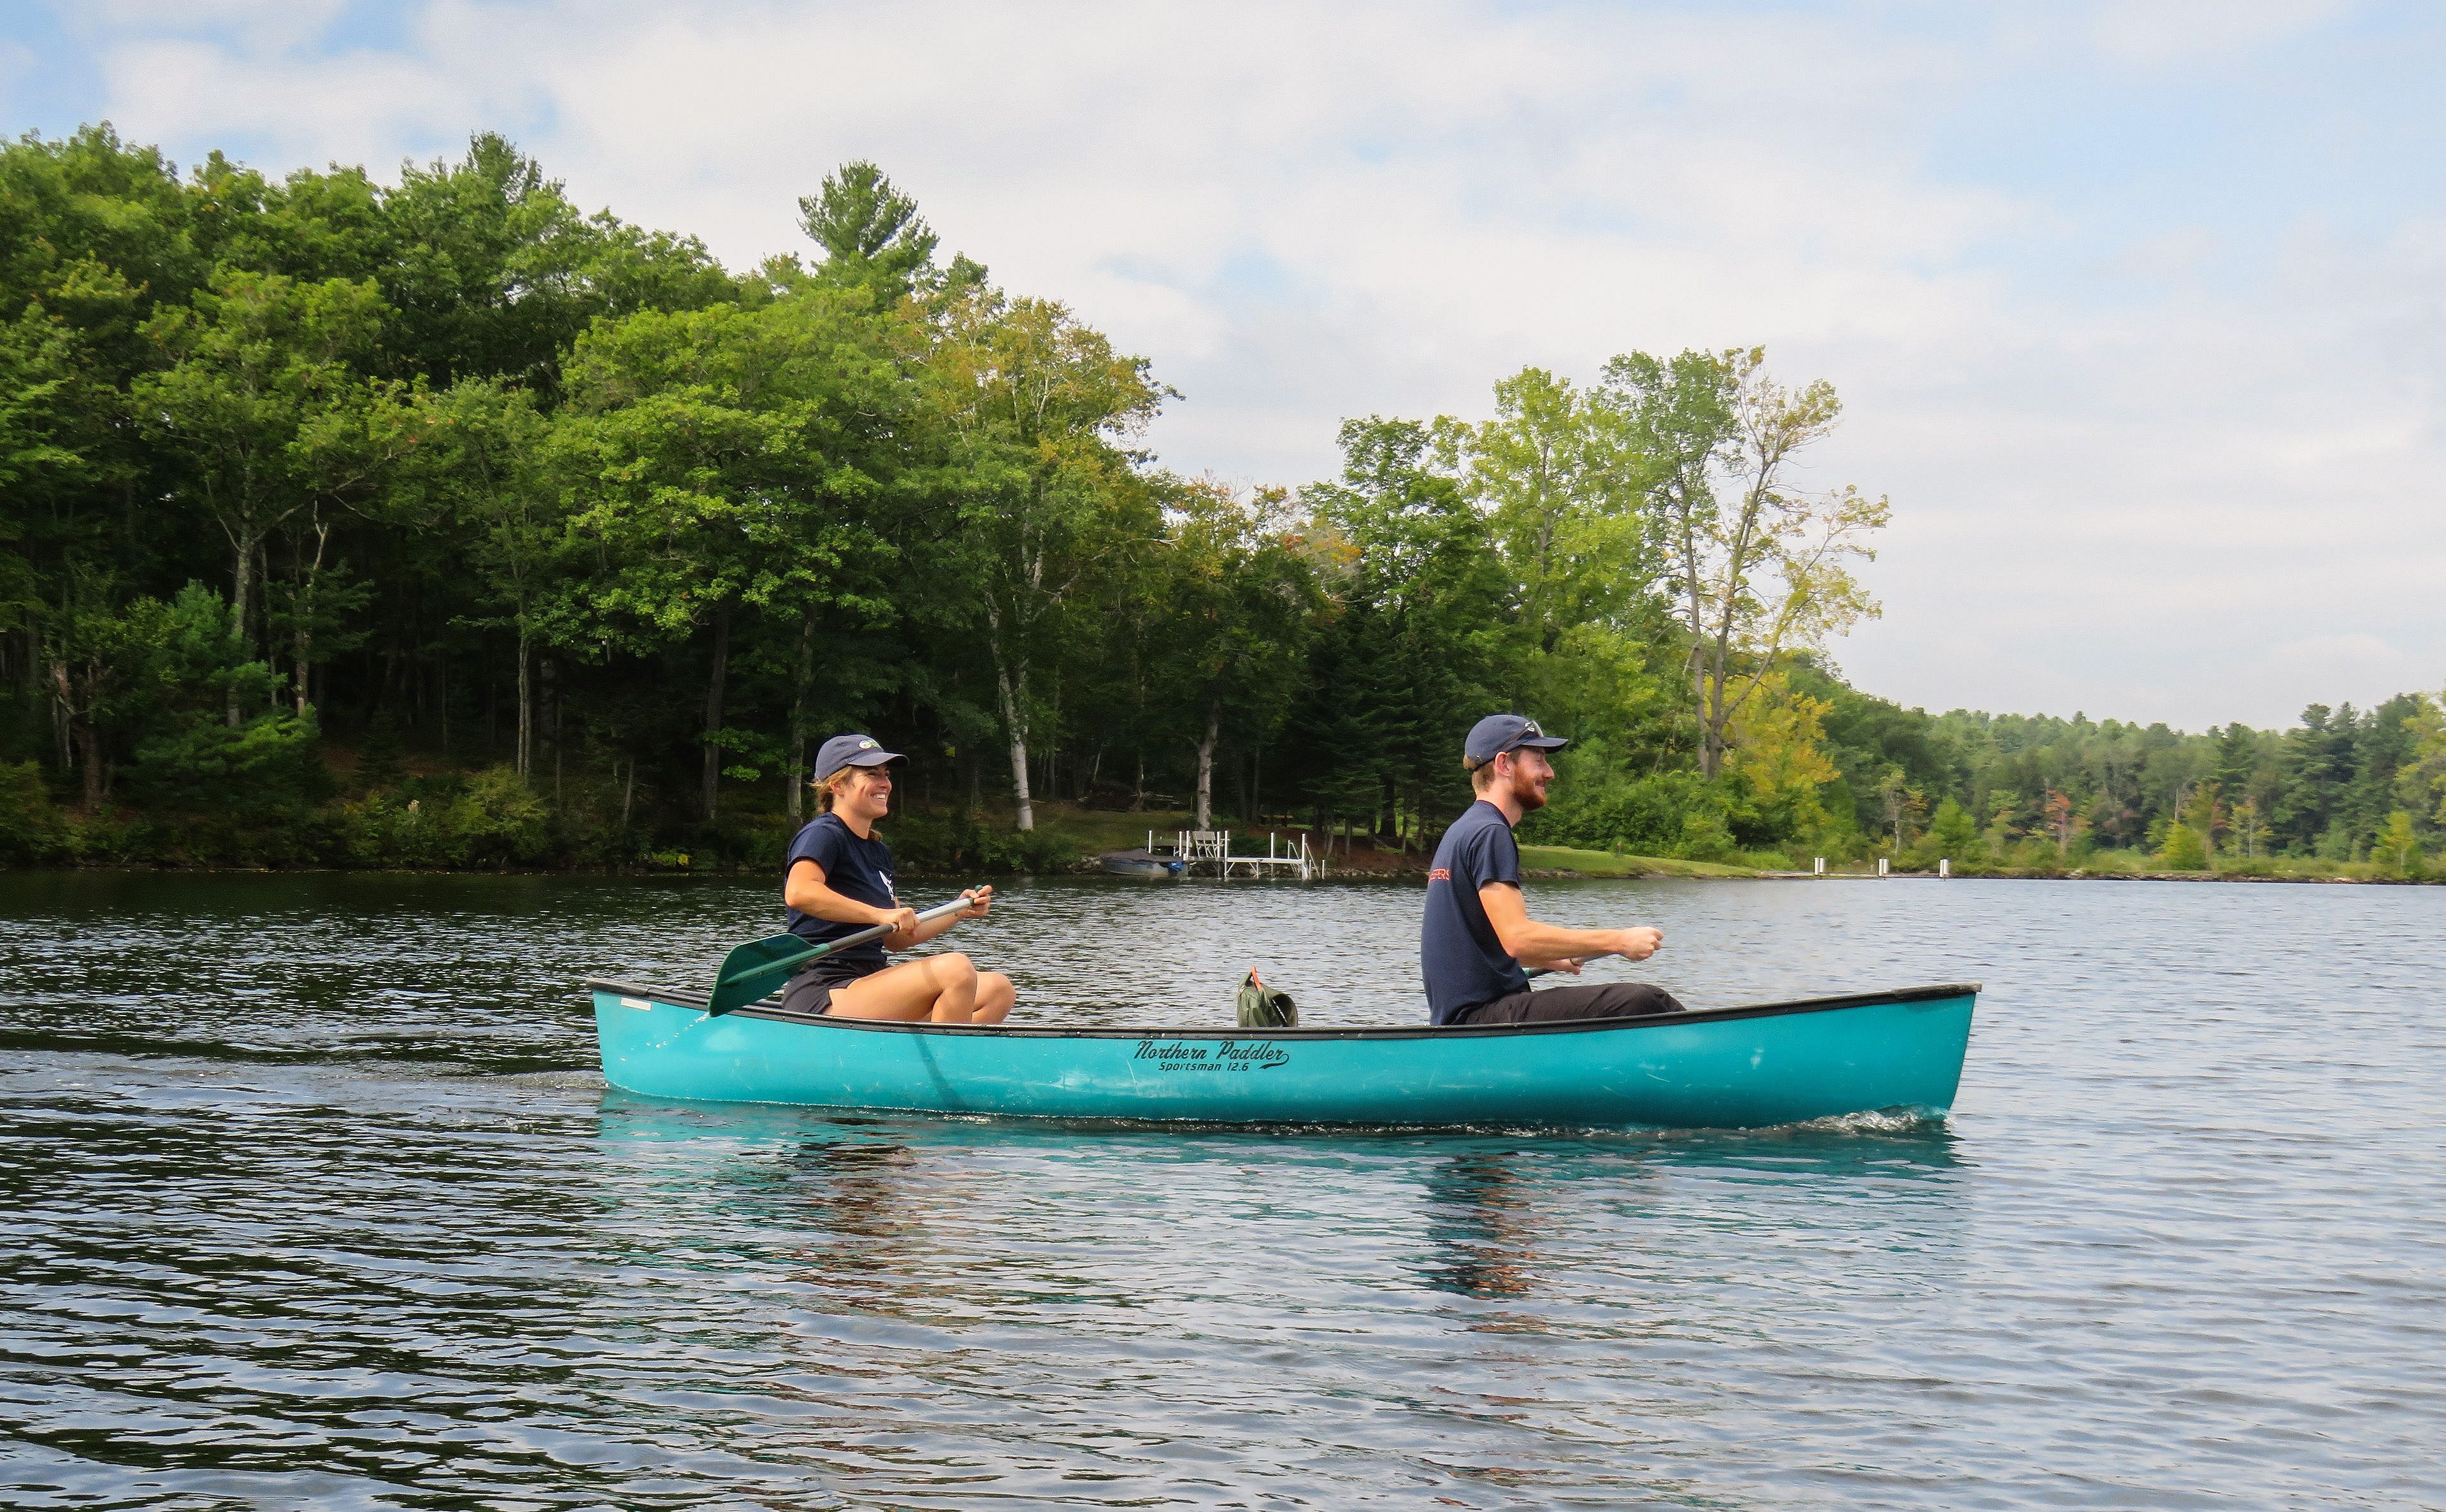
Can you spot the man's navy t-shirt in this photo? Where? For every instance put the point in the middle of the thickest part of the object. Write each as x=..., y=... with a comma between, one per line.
x=854, y=868
x=1465, y=964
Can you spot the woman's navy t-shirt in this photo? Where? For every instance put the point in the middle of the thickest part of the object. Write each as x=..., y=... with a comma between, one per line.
x=1463, y=961
x=854, y=868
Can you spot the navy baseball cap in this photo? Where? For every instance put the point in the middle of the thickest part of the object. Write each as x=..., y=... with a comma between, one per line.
x=1496, y=733
x=852, y=750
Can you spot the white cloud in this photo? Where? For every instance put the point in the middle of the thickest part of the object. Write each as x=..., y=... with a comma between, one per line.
x=2121, y=490
x=257, y=21
x=2162, y=31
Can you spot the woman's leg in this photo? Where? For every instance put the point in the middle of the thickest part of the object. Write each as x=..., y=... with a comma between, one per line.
x=943, y=988
x=994, y=997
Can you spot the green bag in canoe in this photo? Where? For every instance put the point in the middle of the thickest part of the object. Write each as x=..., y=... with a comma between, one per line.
x=1261, y=1007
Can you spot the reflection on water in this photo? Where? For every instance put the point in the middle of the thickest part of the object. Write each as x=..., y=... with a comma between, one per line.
x=1480, y=1227
x=337, y=1212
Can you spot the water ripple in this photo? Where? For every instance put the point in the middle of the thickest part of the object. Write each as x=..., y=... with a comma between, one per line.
x=314, y=1196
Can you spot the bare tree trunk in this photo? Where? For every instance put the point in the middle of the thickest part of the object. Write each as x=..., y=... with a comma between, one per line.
x=83, y=737
x=628, y=795
x=90, y=742
x=797, y=777
x=1206, y=765
x=526, y=706
x=552, y=721
x=305, y=640
x=713, y=709
x=241, y=592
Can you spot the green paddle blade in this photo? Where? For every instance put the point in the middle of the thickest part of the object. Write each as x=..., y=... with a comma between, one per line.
x=758, y=966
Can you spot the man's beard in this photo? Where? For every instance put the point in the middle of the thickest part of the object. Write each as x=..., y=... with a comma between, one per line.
x=1529, y=795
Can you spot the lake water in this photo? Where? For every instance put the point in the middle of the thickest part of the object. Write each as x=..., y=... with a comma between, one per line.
x=312, y=1196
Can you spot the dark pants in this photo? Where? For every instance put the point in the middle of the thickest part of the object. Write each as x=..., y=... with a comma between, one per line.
x=811, y=991
x=1597, y=1000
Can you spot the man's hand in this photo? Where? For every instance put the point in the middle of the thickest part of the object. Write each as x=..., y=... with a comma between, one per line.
x=1637, y=944
x=1560, y=950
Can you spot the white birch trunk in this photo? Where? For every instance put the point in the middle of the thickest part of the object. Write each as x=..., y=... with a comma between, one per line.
x=1016, y=723
x=1010, y=687
x=1206, y=765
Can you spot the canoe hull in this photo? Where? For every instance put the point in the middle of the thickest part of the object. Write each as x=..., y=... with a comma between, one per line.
x=1738, y=1067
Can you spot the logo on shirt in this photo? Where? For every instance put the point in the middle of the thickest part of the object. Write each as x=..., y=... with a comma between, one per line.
x=1441, y=873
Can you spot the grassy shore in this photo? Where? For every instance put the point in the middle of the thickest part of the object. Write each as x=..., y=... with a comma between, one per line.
x=1604, y=864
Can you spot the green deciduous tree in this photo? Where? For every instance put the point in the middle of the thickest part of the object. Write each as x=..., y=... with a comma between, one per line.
x=1037, y=407
x=1761, y=566
x=722, y=461
x=1240, y=600
x=2421, y=782
x=259, y=398
x=488, y=460
x=1421, y=634
x=2396, y=852
x=1561, y=480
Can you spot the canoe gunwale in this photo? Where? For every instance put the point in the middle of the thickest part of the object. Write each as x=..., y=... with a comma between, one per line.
x=770, y=1009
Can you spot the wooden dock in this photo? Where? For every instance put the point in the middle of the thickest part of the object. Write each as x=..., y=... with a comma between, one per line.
x=1210, y=850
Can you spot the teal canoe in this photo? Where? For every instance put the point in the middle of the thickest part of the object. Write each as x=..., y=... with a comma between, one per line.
x=1729, y=1067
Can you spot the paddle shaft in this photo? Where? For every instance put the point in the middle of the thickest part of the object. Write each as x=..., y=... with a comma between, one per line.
x=879, y=930
x=748, y=972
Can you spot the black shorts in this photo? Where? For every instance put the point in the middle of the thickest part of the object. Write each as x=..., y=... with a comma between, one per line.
x=811, y=991
x=1596, y=1000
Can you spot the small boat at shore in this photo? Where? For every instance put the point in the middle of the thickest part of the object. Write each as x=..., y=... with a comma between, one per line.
x=1730, y=1067
x=1140, y=863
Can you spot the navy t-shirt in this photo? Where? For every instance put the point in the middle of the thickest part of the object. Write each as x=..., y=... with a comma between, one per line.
x=854, y=868
x=1465, y=964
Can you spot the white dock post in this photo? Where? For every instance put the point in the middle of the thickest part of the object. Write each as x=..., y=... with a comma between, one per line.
x=1881, y=866
x=1945, y=866
x=1822, y=867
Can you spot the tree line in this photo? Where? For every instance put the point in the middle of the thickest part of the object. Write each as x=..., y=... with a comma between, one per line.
x=441, y=519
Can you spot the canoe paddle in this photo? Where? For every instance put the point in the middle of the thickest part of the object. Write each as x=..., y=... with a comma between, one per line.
x=756, y=968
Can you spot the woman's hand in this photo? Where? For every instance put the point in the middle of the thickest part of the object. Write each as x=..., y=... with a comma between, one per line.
x=980, y=901
x=903, y=920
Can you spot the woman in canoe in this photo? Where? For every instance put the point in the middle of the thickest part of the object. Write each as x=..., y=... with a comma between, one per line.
x=838, y=881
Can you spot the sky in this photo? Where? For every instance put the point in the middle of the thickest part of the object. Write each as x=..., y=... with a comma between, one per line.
x=2137, y=309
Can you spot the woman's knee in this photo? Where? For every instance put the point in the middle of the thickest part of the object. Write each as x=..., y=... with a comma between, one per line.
x=955, y=965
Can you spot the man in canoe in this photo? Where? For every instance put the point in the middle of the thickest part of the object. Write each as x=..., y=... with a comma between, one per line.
x=1479, y=934
x=838, y=881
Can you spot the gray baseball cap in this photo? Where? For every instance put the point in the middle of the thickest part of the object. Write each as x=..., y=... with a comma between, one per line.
x=852, y=750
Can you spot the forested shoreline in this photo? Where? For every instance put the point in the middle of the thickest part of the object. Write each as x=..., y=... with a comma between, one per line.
x=438, y=522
